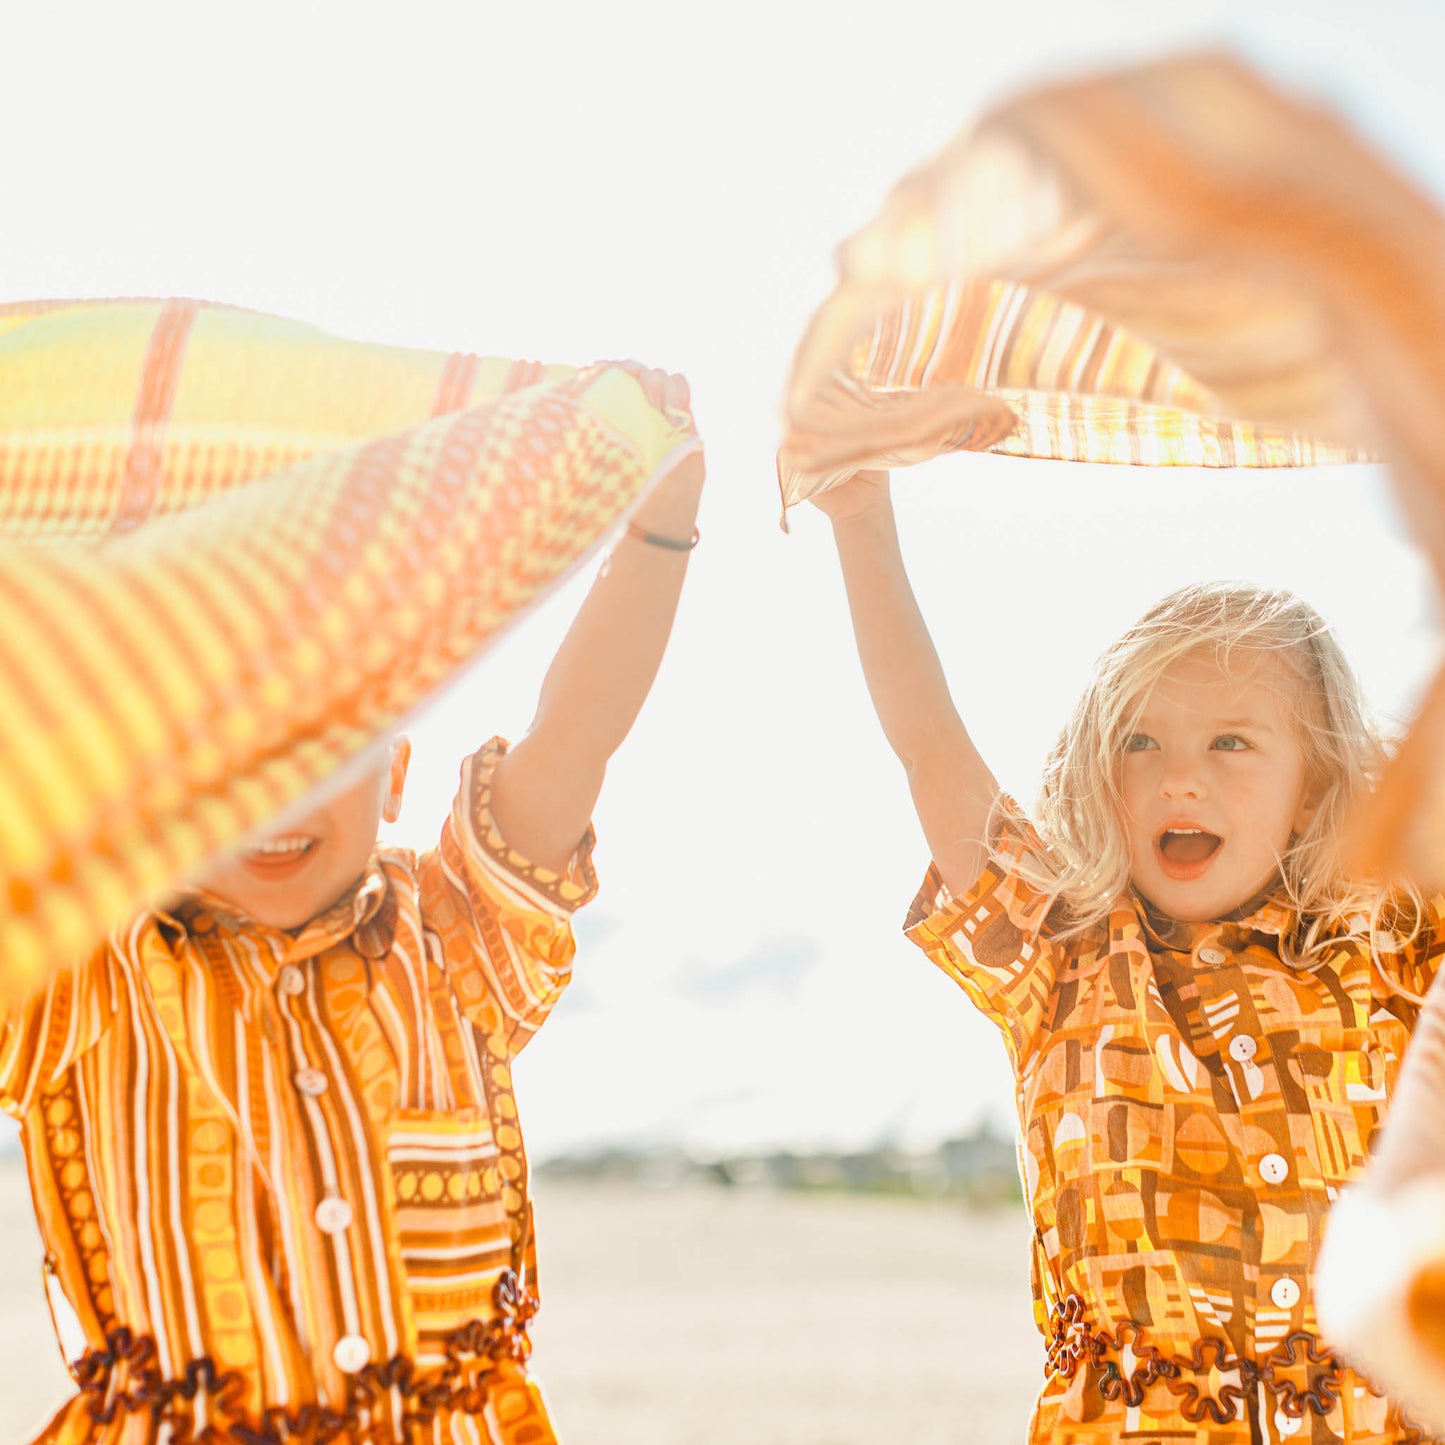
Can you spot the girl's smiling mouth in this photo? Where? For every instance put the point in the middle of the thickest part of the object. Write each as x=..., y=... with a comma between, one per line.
x=280, y=858
x=1185, y=851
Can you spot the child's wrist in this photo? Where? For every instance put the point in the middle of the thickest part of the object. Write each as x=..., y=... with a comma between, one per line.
x=667, y=542
x=875, y=514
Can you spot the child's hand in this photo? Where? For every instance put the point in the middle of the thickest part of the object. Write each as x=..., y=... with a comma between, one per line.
x=665, y=509
x=665, y=390
x=862, y=492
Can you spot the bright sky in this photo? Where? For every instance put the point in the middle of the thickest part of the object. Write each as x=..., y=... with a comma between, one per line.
x=652, y=180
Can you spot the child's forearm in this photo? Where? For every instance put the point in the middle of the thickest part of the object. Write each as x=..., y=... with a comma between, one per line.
x=606, y=664
x=900, y=664
x=952, y=787
x=547, y=786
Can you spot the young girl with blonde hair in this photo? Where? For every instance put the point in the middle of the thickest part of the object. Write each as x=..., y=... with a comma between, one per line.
x=1205, y=1014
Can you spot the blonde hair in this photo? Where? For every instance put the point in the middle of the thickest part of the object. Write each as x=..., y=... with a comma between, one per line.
x=1085, y=869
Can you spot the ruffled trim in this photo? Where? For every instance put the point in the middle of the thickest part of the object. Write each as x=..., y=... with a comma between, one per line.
x=386, y=1402
x=1302, y=1375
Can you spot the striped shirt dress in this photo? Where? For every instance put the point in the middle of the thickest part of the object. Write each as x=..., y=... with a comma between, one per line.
x=279, y=1177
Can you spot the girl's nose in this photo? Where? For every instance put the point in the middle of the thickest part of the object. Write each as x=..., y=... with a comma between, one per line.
x=1179, y=778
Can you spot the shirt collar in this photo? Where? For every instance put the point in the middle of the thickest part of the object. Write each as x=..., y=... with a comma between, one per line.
x=366, y=911
x=1264, y=914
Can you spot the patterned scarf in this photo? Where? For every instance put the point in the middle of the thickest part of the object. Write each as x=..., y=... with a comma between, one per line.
x=235, y=553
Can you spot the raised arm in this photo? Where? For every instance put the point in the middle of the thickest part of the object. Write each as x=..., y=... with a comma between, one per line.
x=952, y=787
x=544, y=790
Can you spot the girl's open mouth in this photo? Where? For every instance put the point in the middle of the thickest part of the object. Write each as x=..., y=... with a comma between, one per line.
x=1186, y=852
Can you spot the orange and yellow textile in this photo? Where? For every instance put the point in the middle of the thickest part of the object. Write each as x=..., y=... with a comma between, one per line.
x=234, y=553
x=1189, y=1107
x=1073, y=278
x=1175, y=265
x=279, y=1178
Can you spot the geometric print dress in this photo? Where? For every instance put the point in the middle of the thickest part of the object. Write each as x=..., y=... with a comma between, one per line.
x=279, y=1177
x=1189, y=1108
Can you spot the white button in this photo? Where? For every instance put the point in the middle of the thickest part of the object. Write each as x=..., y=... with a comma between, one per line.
x=1358, y=922
x=333, y=1216
x=1212, y=955
x=351, y=1354
x=1286, y=1424
x=292, y=980
x=1242, y=1048
x=311, y=1082
x=1274, y=1168
x=1284, y=1293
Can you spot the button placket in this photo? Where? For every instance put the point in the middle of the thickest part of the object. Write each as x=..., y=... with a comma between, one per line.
x=333, y=1215
x=351, y=1354
x=1284, y=1294
x=1251, y=1063
x=1274, y=1168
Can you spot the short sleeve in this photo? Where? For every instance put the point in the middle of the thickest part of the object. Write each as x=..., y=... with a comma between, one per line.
x=993, y=940
x=504, y=923
x=1413, y=970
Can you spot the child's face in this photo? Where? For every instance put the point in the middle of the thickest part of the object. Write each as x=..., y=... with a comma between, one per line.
x=295, y=875
x=1214, y=784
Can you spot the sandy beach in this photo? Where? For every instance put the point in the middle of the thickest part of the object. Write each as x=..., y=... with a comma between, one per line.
x=707, y=1316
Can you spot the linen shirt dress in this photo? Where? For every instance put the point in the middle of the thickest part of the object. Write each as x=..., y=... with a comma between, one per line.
x=279, y=1177
x=1189, y=1107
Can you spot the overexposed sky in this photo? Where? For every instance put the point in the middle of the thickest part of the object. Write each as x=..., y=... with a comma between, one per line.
x=666, y=182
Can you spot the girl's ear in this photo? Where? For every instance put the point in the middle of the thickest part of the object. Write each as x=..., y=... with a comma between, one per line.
x=396, y=779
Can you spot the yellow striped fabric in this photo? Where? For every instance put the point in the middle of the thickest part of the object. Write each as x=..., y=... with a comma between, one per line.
x=279, y=1178
x=1031, y=292
x=234, y=553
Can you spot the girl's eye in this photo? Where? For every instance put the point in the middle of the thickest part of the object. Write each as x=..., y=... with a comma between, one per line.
x=1139, y=743
x=1230, y=743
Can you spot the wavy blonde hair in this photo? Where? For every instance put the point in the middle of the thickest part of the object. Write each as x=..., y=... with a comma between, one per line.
x=1086, y=866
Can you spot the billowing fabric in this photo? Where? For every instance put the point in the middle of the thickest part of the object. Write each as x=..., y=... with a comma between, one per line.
x=1189, y=1106
x=279, y=1178
x=1175, y=265
x=234, y=553
x=1078, y=276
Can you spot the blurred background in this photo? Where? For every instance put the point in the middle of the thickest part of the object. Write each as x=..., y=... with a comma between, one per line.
x=775, y=1187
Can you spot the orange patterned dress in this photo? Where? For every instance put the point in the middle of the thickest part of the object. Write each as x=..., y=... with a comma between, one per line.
x=279, y=1177
x=1189, y=1107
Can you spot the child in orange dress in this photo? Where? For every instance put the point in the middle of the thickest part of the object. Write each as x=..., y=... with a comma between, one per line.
x=271, y=1132
x=1205, y=1015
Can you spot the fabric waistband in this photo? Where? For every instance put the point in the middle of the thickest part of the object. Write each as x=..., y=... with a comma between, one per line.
x=1302, y=1374
x=386, y=1404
